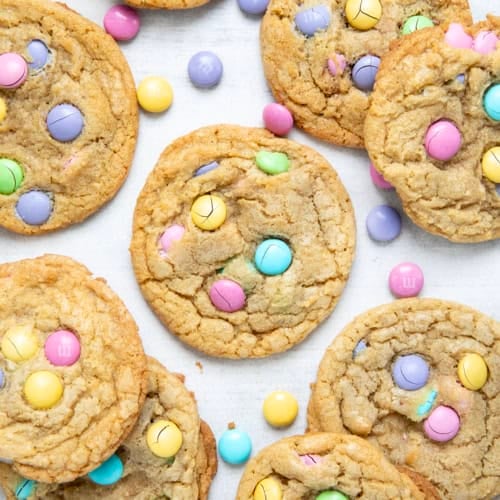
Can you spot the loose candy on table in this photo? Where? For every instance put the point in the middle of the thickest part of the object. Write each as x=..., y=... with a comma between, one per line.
x=456, y=37
x=378, y=178
x=208, y=212
x=255, y=7
x=65, y=122
x=122, y=22
x=314, y=19
x=34, y=207
x=11, y=176
x=490, y=164
x=272, y=163
x=62, y=348
x=235, y=446
x=485, y=42
x=204, y=169
x=277, y=118
x=43, y=389
x=442, y=424
x=13, y=70
x=415, y=23
x=332, y=495
x=170, y=235
x=109, y=472
x=364, y=72
x=273, y=257
x=268, y=488
x=442, y=140
x=472, y=371
x=227, y=295
x=491, y=102
x=20, y=343
x=25, y=489
x=363, y=14
x=410, y=372
x=406, y=280
x=205, y=69
x=3, y=109
x=154, y=94
x=280, y=409
x=164, y=438
x=336, y=64
x=383, y=223
x=39, y=54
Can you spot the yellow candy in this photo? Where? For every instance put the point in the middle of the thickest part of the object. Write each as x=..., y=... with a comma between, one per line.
x=280, y=409
x=3, y=109
x=43, y=389
x=154, y=94
x=491, y=164
x=268, y=489
x=208, y=212
x=363, y=14
x=164, y=438
x=20, y=343
x=472, y=371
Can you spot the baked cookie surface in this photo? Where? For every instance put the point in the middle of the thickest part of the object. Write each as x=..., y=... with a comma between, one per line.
x=145, y=475
x=69, y=132
x=307, y=467
x=72, y=369
x=419, y=378
x=166, y=4
x=242, y=242
x=433, y=132
x=322, y=68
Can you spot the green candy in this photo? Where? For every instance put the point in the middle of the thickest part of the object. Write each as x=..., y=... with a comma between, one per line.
x=331, y=495
x=11, y=176
x=415, y=23
x=25, y=489
x=272, y=163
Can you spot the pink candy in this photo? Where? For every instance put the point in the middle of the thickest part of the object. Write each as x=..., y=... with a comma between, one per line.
x=378, y=179
x=442, y=424
x=62, y=348
x=485, y=42
x=122, y=22
x=227, y=295
x=310, y=459
x=457, y=37
x=406, y=280
x=13, y=70
x=171, y=234
x=336, y=64
x=442, y=140
x=277, y=119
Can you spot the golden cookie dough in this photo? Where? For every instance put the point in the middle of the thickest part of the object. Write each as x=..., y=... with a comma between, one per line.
x=416, y=86
x=307, y=206
x=356, y=392
x=166, y=4
x=86, y=69
x=326, y=106
x=146, y=476
x=102, y=391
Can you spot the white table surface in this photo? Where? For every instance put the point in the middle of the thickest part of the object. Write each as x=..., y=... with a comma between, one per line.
x=233, y=391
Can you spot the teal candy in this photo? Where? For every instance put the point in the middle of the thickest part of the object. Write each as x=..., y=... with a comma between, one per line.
x=272, y=163
x=331, y=495
x=425, y=408
x=415, y=23
x=235, y=446
x=491, y=102
x=109, y=472
x=273, y=257
x=25, y=488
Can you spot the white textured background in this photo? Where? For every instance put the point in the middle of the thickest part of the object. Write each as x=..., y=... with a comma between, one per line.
x=234, y=390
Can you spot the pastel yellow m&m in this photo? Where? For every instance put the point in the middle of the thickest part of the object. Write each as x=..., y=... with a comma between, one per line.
x=43, y=389
x=363, y=14
x=3, y=109
x=280, y=409
x=164, y=438
x=20, y=343
x=208, y=212
x=268, y=489
x=491, y=164
x=472, y=371
x=154, y=94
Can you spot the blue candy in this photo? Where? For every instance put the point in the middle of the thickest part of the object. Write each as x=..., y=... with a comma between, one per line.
x=316, y=18
x=425, y=408
x=109, y=472
x=383, y=223
x=254, y=7
x=204, y=169
x=273, y=257
x=235, y=446
x=491, y=102
x=25, y=488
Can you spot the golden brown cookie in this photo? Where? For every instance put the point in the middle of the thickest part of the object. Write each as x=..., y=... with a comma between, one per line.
x=72, y=369
x=322, y=68
x=313, y=465
x=419, y=378
x=69, y=133
x=429, y=133
x=166, y=4
x=241, y=260
x=186, y=476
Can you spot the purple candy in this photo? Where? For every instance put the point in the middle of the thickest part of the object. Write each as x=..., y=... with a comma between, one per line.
x=316, y=18
x=364, y=72
x=410, y=372
x=39, y=54
x=360, y=347
x=34, y=207
x=383, y=223
x=204, y=169
x=497, y=188
x=461, y=78
x=65, y=122
x=205, y=69
x=2, y=379
x=255, y=7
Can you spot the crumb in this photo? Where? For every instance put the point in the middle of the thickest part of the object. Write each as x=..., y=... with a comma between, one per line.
x=231, y=426
x=200, y=366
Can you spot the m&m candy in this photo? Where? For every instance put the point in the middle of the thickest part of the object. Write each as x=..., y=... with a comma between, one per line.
x=65, y=122
x=472, y=371
x=3, y=109
x=491, y=102
x=268, y=488
x=364, y=72
x=442, y=140
x=406, y=280
x=208, y=212
x=491, y=164
x=13, y=70
x=442, y=424
x=331, y=495
x=62, y=348
x=43, y=389
x=383, y=223
x=415, y=23
x=277, y=118
x=122, y=22
x=280, y=409
x=39, y=54
x=109, y=472
x=20, y=343
x=11, y=176
x=273, y=257
x=235, y=446
x=410, y=372
x=164, y=438
x=272, y=163
x=363, y=14
x=205, y=69
x=314, y=19
x=171, y=234
x=34, y=207
x=227, y=295
x=154, y=94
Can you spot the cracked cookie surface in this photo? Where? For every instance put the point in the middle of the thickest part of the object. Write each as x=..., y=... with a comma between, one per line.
x=102, y=390
x=306, y=207
x=296, y=66
x=146, y=476
x=84, y=68
x=355, y=392
x=417, y=85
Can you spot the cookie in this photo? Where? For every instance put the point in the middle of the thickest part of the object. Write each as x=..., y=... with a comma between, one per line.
x=242, y=242
x=320, y=58
x=433, y=129
x=419, y=378
x=68, y=136
x=72, y=369
x=185, y=476
x=324, y=466
x=166, y=4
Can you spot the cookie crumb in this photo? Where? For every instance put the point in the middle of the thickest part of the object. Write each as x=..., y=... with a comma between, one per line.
x=200, y=366
x=231, y=426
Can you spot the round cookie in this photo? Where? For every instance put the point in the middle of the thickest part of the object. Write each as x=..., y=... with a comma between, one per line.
x=185, y=476
x=428, y=130
x=322, y=68
x=71, y=126
x=72, y=365
x=242, y=242
x=166, y=4
x=309, y=466
x=395, y=369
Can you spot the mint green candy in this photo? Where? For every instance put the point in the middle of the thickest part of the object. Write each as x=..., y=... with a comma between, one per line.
x=415, y=23
x=331, y=495
x=272, y=163
x=11, y=176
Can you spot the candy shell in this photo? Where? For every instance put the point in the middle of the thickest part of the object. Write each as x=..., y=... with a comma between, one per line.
x=13, y=70
x=11, y=176
x=491, y=164
x=65, y=122
x=415, y=23
x=255, y=7
x=406, y=280
x=164, y=439
x=491, y=102
x=227, y=295
x=171, y=234
x=268, y=488
x=472, y=371
x=204, y=169
x=122, y=22
x=383, y=223
x=109, y=472
x=205, y=69
x=280, y=409
x=273, y=257
x=39, y=54
x=442, y=424
x=25, y=489
x=34, y=207
x=20, y=343
x=378, y=179
x=363, y=14
x=154, y=94
x=457, y=37
x=442, y=140
x=314, y=19
x=332, y=495
x=272, y=163
x=364, y=72
x=277, y=119
x=310, y=459
x=62, y=348
x=43, y=389
x=485, y=42
x=410, y=372
x=235, y=446
x=208, y=212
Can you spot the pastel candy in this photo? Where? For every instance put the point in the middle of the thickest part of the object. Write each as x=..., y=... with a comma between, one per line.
x=273, y=257
x=383, y=223
x=11, y=176
x=43, y=389
x=378, y=179
x=235, y=446
x=268, y=488
x=204, y=169
x=34, y=207
x=442, y=424
x=363, y=14
x=310, y=459
x=485, y=42
x=164, y=438
x=25, y=489
x=280, y=409
x=406, y=280
x=336, y=64
x=2, y=379
x=62, y=348
x=255, y=7
x=364, y=72
x=491, y=164
x=109, y=472
x=272, y=163
x=331, y=495
x=205, y=69
x=415, y=23
x=410, y=372
x=13, y=70
x=208, y=212
x=314, y=19
x=172, y=233
x=425, y=407
x=227, y=295
x=491, y=102
x=359, y=348
x=457, y=37
x=65, y=122
x=122, y=22
x=472, y=371
x=39, y=54
x=20, y=343
x=277, y=118
x=443, y=140
x=3, y=109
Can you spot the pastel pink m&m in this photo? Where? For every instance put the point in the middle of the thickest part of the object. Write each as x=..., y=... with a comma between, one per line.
x=227, y=295
x=310, y=459
x=277, y=118
x=457, y=37
x=171, y=234
x=378, y=178
x=442, y=140
x=406, y=280
x=62, y=348
x=13, y=70
x=442, y=424
x=122, y=22
x=485, y=42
